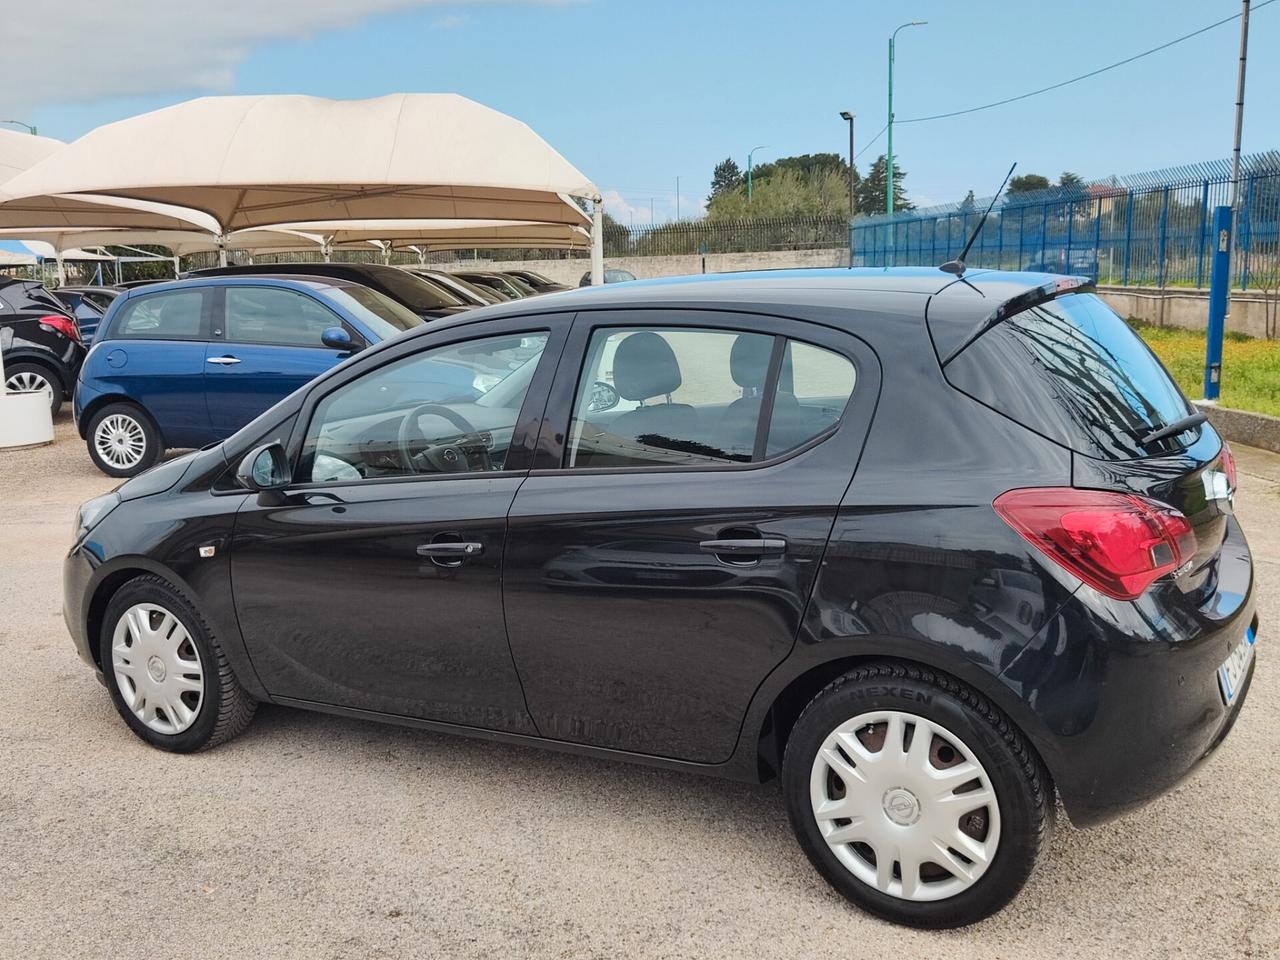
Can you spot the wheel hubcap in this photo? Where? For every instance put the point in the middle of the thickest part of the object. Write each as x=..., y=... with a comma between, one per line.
x=157, y=668
x=27, y=382
x=905, y=805
x=120, y=441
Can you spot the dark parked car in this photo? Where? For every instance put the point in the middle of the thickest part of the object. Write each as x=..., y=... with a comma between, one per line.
x=933, y=551
x=465, y=290
x=87, y=305
x=39, y=340
x=610, y=276
x=427, y=300
x=510, y=287
x=539, y=283
x=189, y=362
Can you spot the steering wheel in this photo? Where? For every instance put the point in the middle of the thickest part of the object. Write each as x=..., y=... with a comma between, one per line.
x=440, y=457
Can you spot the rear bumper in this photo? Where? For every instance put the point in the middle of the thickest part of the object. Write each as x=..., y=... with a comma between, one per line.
x=1128, y=693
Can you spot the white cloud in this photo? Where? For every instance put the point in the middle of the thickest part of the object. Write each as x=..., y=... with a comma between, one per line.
x=635, y=208
x=157, y=47
x=450, y=21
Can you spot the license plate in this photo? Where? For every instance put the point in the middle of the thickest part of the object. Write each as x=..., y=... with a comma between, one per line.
x=1232, y=672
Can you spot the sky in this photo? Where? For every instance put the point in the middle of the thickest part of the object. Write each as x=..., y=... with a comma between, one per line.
x=637, y=94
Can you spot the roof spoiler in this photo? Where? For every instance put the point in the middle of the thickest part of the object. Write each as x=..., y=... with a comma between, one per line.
x=1023, y=301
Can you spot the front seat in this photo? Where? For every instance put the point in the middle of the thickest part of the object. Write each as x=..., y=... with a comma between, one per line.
x=749, y=366
x=644, y=367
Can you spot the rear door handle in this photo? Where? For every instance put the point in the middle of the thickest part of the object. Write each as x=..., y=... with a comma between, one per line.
x=222, y=361
x=743, y=549
x=450, y=550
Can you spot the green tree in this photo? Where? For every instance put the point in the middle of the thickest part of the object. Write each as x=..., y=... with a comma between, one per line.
x=1028, y=182
x=871, y=189
x=785, y=193
x=726, y=178
x=1069, y=179
x=968, y=204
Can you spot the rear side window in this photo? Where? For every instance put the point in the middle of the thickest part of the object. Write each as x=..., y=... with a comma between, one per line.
x=161, y=316
x=1073, y=371
x=690, y=397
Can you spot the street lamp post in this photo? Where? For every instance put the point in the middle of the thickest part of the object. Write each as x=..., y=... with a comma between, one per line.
x=888, y=160
x=846, y=115
x=18, y=123
x=750, y=154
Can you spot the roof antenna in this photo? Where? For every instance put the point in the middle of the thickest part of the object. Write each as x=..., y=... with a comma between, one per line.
x=956, y=266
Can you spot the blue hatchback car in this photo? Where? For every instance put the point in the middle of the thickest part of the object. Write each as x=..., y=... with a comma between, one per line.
x=186, y=363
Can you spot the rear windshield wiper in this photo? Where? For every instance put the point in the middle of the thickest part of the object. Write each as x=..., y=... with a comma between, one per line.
x=1175, y=428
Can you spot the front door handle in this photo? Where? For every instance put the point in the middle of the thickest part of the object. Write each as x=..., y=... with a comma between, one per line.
x=746, y=549
x=450, y=550
x=222, y=361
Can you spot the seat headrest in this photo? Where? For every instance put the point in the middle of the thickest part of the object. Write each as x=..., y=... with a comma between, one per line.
x=645, y=366
x=749, y=362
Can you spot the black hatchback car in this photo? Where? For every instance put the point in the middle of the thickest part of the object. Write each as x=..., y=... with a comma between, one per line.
x=932, y=551
x=39, y=341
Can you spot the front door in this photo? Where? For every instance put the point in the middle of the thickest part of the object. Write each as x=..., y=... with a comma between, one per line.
x=659, y=562
x=266, y=346
x=375, y=582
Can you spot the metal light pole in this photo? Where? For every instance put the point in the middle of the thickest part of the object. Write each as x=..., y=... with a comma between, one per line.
x=1220, y=275
x=750, y=154
x=888, y=160
x=18, y=123
x=846, y=115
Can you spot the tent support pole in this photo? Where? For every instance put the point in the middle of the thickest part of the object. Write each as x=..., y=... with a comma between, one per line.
x=597, y=243
x=62, y=270
x=177, y=270
x=222, y=249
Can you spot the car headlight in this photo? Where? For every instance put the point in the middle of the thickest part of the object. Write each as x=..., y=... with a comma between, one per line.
x=92, y=512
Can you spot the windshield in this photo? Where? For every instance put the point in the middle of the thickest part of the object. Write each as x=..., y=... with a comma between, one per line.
x=415, y=293
x=1073, y=371
x=383, y=316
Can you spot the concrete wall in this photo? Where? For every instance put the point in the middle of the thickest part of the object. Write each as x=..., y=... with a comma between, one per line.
x=1189, y=309
x=1168, y=307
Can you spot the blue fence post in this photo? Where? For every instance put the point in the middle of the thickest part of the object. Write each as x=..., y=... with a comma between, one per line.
x=1044, y=231
x=1219, y=282
x=1000, y=242
x=1204, y=222
x=1246, y=234
x=1071, y=220
x=1022, y=232
x=1164, y=225
x=1128, y=236
x=1097, y=243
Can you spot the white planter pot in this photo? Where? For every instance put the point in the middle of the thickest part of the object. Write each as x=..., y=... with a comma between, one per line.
x=25, y=419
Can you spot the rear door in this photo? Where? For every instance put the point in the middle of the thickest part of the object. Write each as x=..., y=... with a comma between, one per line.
x=155, y=357
x=659, y=560
x=265, y=345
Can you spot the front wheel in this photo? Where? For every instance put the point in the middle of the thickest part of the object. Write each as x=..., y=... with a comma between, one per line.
x=167, y=674
x=122, y=440
x=914, y=797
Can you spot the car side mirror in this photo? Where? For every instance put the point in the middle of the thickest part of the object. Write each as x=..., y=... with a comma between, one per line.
x=603, y=397
x=337, y=338
x=265, y=469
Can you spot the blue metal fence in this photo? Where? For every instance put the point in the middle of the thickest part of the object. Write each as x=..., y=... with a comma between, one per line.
x=1145, y=229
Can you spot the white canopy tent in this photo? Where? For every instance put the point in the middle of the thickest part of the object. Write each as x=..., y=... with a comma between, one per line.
x=264, y=160
x=20, y=151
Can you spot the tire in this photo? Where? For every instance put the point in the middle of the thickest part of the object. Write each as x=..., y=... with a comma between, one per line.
x=165, y=704
x=123, y=440
x=993, y=814
x=35, y=376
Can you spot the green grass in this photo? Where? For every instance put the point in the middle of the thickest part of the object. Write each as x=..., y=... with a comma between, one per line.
x=1250, y=367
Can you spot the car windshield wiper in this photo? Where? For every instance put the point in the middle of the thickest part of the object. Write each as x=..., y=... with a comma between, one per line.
x=1175, y=428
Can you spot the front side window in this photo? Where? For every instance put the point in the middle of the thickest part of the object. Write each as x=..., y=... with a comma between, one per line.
x=162, y=316
x=452, y=409
x=273, y=315
x=701, y=397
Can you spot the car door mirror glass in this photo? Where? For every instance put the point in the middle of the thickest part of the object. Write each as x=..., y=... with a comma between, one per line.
x=265, y=468
x=336, y=338
x=603, y=397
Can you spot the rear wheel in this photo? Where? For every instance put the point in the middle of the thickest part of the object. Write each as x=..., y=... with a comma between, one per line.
x=33, y=377
x=122, y=440
x=167, y=674
x=914, y=797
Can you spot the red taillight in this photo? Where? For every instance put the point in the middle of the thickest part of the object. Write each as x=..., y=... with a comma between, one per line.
x=64, y=325
x=1118, y=543
x=1229, y=465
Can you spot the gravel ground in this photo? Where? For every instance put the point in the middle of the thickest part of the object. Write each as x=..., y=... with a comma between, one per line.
x=315, y=837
